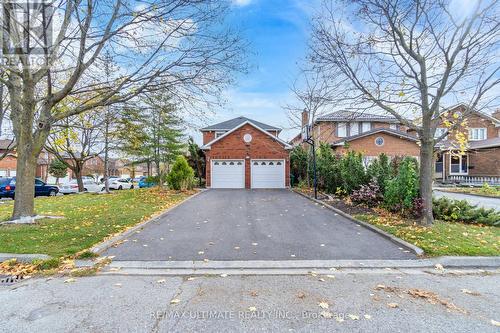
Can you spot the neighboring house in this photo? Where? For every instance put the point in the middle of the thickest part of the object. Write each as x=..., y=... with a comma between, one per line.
x=481, y=161
x=368, y=133
x=8, y=163
x=244, y=153
x=374, y=134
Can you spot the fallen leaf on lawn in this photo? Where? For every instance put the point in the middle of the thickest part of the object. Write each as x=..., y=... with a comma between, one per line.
x=326, y=314
x=175, y=301
x=469, y=292
x=353, y=317
x=393, y=305
x=161, y=281
x=367, y=316
x=323, y=305
x=252, y=309
x=70, y=280
x=494, y=322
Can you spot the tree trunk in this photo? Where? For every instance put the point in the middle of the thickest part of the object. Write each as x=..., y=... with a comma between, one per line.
x=79, y=180
x=426, y=174
x=24, y=204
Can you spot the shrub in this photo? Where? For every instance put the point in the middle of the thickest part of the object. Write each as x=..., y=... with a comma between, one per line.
x=380, y=170
x=461, y=211
x=181, y=176
x=298, y=164
x=352, y=171
x=369, y=195
x=489, y=190
x=401, y=191
x=327, y=166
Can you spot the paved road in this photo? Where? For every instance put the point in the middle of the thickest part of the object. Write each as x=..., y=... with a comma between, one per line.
x=282, y=304
x=472, y=199
x=254, y=225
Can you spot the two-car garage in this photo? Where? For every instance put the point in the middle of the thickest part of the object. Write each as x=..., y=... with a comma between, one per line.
x=263, y=173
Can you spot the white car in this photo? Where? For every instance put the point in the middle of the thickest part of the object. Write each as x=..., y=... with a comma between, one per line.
x=120, y=184
x=89, y=185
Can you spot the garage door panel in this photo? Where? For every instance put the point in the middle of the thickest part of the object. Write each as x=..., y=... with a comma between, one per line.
x=228, y=174
x=268, y=173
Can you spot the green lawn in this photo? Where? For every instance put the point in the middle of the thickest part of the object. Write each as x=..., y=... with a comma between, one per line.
x=443, y=238
x=89, y=219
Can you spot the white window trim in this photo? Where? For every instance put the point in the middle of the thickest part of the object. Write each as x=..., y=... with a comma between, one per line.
x=343, y=124
x=368, y=124
x=219, y=133
x=484, y=129
x=458, y=173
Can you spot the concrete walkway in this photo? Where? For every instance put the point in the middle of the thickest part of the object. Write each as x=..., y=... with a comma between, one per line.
x=472, y=199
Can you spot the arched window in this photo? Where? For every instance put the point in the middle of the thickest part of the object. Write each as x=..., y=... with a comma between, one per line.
x=271, y=163
x=239, y=163
x=216, y=163
x=231, y=163
x=279, y=163
x=255, y=163
x=263, y=163
x=224, y=163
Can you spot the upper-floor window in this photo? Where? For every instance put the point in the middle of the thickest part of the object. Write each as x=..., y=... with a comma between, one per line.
x=219, y=133
x=476, y=134
x=439, y=131
x=353, y=128
x=366, y=126
x=393, y=126
x=342, y=130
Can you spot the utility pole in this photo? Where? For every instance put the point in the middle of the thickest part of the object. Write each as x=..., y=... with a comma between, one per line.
x=107, y=71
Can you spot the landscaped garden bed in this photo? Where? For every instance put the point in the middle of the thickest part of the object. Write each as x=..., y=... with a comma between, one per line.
x=485, y=190
x=385, y=193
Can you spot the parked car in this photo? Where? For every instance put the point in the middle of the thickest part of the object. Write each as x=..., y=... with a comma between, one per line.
x=120, y=184
x=143, y=183
x=89, y=185
x=8, y=187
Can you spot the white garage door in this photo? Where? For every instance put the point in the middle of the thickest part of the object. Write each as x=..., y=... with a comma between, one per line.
x=228, y=174
x=268, y=173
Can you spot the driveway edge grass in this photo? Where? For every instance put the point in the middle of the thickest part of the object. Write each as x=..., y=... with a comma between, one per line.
x=107, y=243
x=413, y=248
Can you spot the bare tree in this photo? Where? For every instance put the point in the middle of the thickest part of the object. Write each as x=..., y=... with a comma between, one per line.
x=77, y=140
x=411, y=58
x=180, y=46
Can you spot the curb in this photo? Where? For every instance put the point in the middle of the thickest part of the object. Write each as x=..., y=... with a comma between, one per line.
x=106, y=244
x=24, y=258
x=462, y=193
x=413, y=248
x=296, y=267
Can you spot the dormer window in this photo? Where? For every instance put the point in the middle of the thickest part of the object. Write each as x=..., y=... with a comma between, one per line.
x=219, y=133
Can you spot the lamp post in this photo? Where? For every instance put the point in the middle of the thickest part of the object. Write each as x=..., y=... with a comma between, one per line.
x=307, y=138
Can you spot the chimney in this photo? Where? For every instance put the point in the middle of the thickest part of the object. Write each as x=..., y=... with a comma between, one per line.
x=305, y=118
x=495, y=114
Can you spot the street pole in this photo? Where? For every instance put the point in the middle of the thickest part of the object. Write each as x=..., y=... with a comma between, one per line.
x=315, y=181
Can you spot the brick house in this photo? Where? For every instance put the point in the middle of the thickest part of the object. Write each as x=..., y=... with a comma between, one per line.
x=368, y=133
x=244, y=153
x=481, y=161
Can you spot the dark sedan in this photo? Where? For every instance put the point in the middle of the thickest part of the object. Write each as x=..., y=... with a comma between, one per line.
x=8, y=187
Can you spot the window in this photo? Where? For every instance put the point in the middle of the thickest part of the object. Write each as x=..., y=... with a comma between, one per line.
x=255, y=163
x=224, y=163
x=271, y=163
x=220, y=133
x=279, y=163
x=366, y=126
x=440, y=131
x=353, y=128
x=379, y=141
x=439, y=163
x=263, y=163
x=231, y=163
x=38, y=182
x=476, y=134
x=393, y=126
x=216, y=163
x=341, y=130
x=459, y=164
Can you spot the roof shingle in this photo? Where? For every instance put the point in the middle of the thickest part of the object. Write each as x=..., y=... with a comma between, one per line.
x=232, y=123
x=360, y=116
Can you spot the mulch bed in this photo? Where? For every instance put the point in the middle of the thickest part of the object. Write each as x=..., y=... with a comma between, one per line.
x=340, y=203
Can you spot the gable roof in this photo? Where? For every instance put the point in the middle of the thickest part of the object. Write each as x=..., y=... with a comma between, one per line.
x=480, y=113
x=235, y=122
x=359, y=116
x=249, y=122
x=389, y=131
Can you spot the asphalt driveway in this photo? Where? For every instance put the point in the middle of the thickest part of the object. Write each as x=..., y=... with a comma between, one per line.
x=254, y=225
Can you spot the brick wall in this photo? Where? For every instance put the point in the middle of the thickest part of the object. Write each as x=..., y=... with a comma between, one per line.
x=325, y=131
x=261, y=147
x=393, y=146
x=485, y=162
x=8, y=164
x=473, y=121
